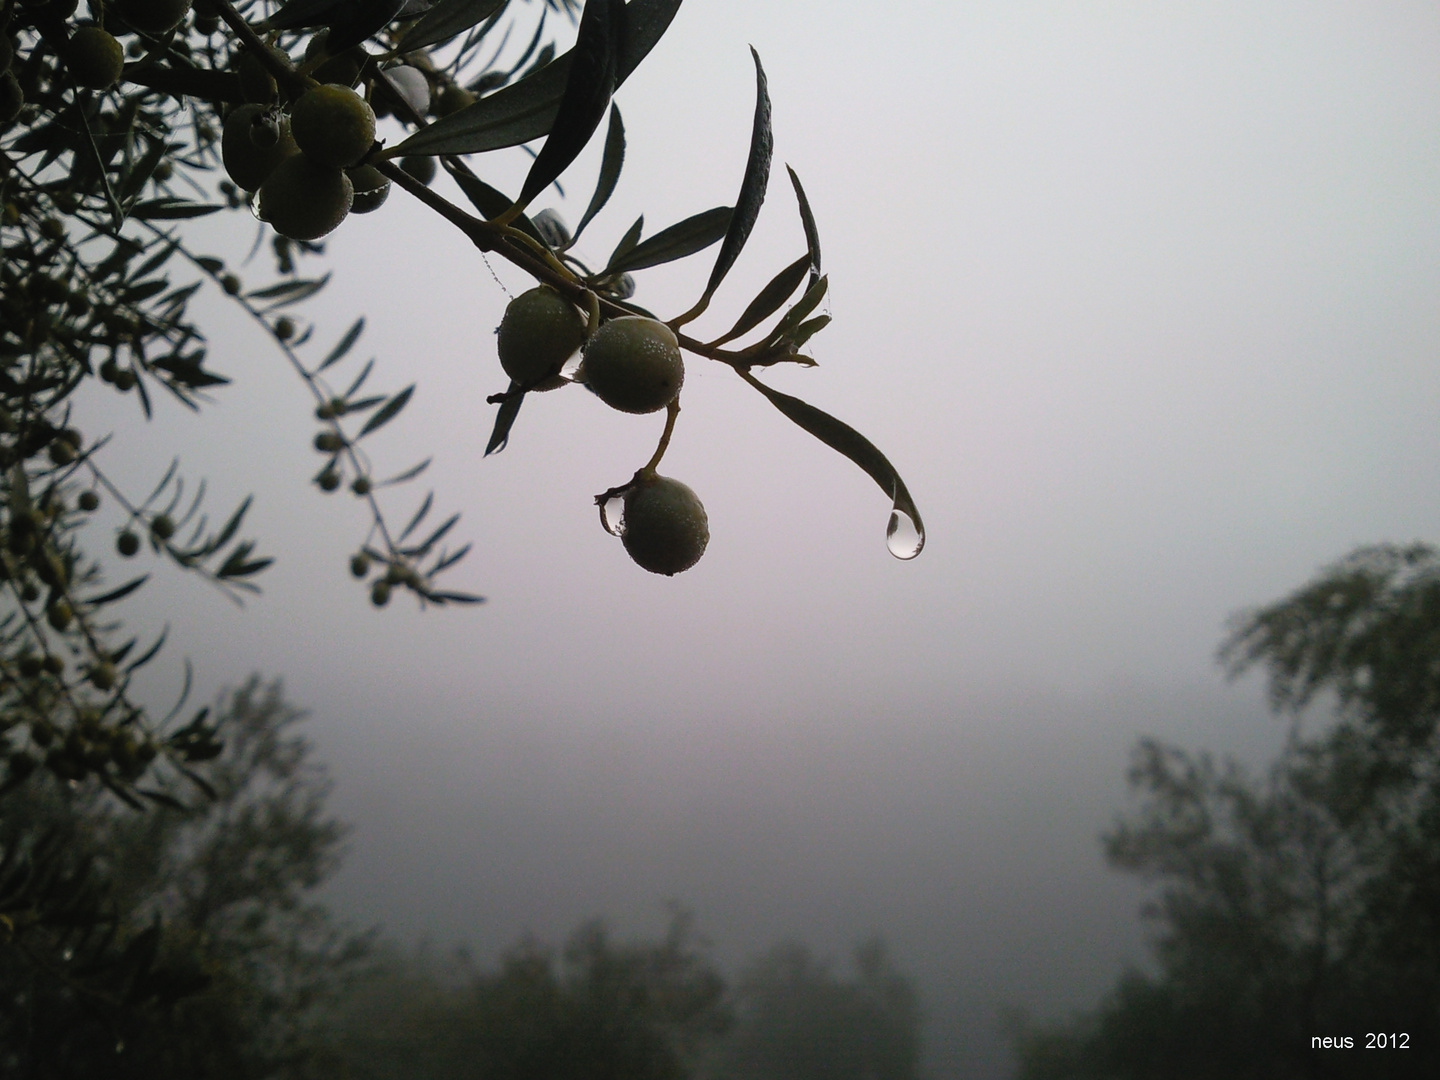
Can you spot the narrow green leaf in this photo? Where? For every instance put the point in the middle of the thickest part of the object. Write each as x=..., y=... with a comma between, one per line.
x=420, y=550
x=752, y=187
x=150, y=653
x=685, y=238
x=172, y=209
x=408, y=474
x=808, y=329
x=610, y=166
x=118, y=594
x=629, y=240
x=807, y=220
x=231, y=527
x=505, y=420
x=288, y=292
x=447, y=19
x=155, y=261
x=387, y=412
x=525, y=110
x=845, y=439
x=456, y=598
x=489, y=201
x=343, y=346
x=419, y=515
x=140, y=171
x=591, y=80
x=360, y=379
x=781, y=286
x=808, y=303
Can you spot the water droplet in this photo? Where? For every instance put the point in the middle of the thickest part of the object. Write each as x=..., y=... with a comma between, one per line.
x=571, y=366
x=612, y=514
x=253, y=204
x=902, y=536
x=68, y=955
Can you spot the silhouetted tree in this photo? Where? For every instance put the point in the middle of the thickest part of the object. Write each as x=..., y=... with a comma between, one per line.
x=179, y=941
x=1306, y=905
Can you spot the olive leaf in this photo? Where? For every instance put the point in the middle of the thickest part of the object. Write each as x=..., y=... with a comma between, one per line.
x=343, y=346
x=593, y=75
x=526, y=110
x=695, y=233
x=388, y=411
x=447, y=19
x=752, y=187
x=505, y=420
x=489, y=201
x=807, y=220
x=842, y=437
x=769, y=299
x=610, y=166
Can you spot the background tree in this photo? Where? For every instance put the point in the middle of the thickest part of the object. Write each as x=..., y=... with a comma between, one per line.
x=238, y=983
x=1306, y=904
x=796, y=1019
x=600, y=1010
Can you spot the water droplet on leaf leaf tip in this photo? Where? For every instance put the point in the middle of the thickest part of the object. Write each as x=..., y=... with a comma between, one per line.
x=902, y=536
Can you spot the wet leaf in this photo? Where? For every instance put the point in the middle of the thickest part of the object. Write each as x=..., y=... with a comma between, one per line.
x=807, y=220
x=592, y=79
x=447, y=19
x=489, y=201
x=752, y=187
x=845, y=439
x=684, y=238
x=171, y=209
x=780, y=289
x=525, y=110
x=610, y=166
x=505, y=420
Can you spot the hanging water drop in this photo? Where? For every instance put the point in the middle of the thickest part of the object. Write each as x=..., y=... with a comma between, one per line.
x=902, y=536
x=612, y=514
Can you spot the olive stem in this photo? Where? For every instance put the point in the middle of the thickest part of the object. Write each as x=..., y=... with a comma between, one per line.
x=671, y=412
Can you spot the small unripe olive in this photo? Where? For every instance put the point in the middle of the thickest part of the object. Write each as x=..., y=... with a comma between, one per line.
x=94, y=57
x=304, y=201
x=154, y=16
x=333, y=125
x=633, y=363
x=125, y=379
x=53, y=664
x=361, y=486
x=88, y=501
x=102, y=675
x=59, y=614
x=380, y=593
x=420, y=166
x=230, y=283
x=360, y=564
x=327, y=442
x=128, y=544
x=248, y=162
x=162, y=527
x=664, y=527
x=452, y=99
x=539, y=332
x=284, y=328
x=328, y=480
x=372, y=188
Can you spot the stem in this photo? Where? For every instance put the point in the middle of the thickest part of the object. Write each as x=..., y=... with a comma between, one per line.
x=671, y=412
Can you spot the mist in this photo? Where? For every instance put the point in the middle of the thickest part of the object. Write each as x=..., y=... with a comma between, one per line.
x=1142, y=300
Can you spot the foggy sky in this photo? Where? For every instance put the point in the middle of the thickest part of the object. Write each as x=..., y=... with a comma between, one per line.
x=1142, y=300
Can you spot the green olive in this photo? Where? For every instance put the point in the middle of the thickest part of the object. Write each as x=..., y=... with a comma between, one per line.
x=540, y=331
x=333, y=125
x=304, y=201
x=633, y=363
x=94, y=57
x=372, y=188
x=664, y=527
x=248, y=162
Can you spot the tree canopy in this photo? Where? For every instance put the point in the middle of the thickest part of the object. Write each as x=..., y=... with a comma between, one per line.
x=1304, y=904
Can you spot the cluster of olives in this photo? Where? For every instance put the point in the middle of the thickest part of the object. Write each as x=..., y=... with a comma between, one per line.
x=306, y=164
x=633, y=364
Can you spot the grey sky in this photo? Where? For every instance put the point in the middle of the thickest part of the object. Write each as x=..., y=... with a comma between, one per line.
x=1142, y=299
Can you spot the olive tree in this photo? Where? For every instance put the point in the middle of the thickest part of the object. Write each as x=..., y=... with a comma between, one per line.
x=123, y=121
